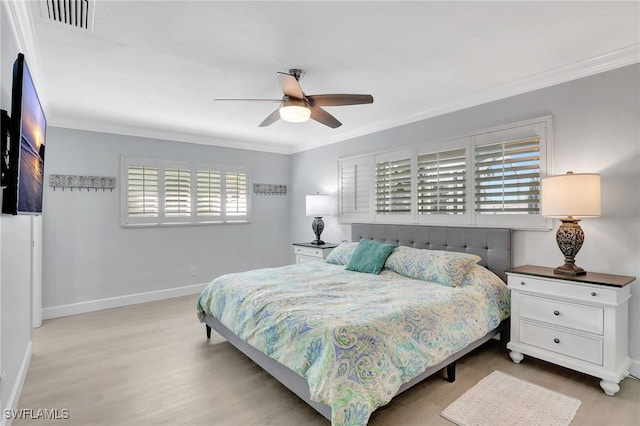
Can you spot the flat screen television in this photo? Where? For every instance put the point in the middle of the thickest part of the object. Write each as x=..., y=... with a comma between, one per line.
x=23, y=150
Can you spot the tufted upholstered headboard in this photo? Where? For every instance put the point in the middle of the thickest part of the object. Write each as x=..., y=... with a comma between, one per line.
x=493, y=245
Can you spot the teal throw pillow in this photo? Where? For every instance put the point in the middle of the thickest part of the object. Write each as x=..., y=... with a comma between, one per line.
x=369, y=256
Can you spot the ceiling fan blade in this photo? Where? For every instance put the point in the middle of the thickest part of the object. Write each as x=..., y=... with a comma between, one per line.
x=290, y=85
x=250, y=100
x=337, y=100
x=324, y=117
x=271, y=118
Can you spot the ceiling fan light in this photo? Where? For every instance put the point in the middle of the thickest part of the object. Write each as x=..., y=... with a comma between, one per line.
x=294, y=113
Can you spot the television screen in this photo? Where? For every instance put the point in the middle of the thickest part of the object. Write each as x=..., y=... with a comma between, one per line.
x=27, y=130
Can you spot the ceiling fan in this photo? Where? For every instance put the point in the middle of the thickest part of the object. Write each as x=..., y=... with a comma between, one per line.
x=297, y=107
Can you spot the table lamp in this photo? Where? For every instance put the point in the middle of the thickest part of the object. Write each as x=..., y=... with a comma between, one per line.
x=317, y=206
x=570, y=198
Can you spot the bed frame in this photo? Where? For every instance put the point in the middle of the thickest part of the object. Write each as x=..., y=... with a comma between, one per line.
x=493, y=245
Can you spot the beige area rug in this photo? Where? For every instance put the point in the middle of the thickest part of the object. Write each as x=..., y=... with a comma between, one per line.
x=501, y=399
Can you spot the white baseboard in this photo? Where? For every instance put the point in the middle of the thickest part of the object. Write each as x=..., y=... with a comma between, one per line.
x=634, y=370
x=16, y=391
x=116, y=302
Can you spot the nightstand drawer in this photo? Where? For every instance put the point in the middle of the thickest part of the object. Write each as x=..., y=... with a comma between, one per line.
x=577, y=346
x=556, y=288
x=564, y=314
x=309, y=251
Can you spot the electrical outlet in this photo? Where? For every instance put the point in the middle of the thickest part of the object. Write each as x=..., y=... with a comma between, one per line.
x=193, y=271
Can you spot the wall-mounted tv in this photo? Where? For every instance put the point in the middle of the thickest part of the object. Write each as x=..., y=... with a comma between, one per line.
x=23, y=150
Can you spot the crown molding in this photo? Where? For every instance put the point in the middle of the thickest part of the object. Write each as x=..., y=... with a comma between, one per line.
x=616, y=59
x=224, y=141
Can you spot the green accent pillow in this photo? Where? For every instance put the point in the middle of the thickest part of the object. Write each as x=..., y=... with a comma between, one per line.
x=369, y=256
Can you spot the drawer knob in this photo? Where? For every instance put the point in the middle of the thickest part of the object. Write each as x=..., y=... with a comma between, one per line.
x=556, y=340
x=556, y=313
x=522, y=283
x=593, y=293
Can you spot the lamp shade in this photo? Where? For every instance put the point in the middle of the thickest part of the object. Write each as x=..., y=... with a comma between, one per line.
x=571, y=195
x=318, y=205
x=294, y=111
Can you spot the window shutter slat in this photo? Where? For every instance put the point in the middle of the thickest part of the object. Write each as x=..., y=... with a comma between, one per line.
x=393, y=186
x=208, y=193
x=355, y=187
x=235, y=194
x=177, y=187
x=507, y=177
x=142, y=191
x=442, y=181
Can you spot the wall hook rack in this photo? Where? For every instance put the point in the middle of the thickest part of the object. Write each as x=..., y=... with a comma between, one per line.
x=269, y=189
x=82, y=182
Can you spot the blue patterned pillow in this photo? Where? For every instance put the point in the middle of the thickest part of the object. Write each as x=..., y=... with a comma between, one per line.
x=341, y=254
x=369, y=257
x=444, y=267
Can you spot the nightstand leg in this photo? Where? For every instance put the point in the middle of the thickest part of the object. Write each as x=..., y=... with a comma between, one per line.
x=516, y=356
x=610, y=388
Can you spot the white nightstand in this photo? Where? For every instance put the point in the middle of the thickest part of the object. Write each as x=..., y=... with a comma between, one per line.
x=307, y=252
x=579, y=322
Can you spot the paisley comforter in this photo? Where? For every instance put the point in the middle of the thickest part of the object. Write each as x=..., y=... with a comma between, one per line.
x=355, y=337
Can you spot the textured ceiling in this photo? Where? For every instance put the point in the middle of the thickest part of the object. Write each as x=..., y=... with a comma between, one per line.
x=153, y=68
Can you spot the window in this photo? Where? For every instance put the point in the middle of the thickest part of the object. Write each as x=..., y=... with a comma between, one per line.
x=355, y=193
x=507, y=177
x=491, y=177
x=161, y=192
x=393, y=184
x=142, y=186
x=209, y=193
x=177, y=192
x=236, y=194
x=442, y=182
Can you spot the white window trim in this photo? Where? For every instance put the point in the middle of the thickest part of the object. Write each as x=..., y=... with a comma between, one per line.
x=544, y=130
x=194, y=218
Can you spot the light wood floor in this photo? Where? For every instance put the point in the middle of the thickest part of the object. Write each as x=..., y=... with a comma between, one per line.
x=151, y=364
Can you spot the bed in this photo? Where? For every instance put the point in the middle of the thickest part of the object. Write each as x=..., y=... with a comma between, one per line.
x=346, y=359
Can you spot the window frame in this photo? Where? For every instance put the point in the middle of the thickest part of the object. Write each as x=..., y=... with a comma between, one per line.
x=193, y=218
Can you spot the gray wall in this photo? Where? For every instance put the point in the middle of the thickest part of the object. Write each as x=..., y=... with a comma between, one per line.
x=596, y=128
x=15, y=268
x=89, y=256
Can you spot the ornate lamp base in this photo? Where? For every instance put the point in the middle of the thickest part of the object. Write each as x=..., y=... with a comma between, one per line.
x=318, y=227
x=569, y=238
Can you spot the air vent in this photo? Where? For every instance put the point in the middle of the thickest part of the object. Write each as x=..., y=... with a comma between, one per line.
x=76, y=13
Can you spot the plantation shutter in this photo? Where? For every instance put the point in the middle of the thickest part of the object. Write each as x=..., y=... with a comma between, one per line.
x=142, y=191
x=507, y=177
x=208, y=193
x=356, y=182
x=177, y=189
x=442, y=182
x=235, y=194
x=393, y=184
